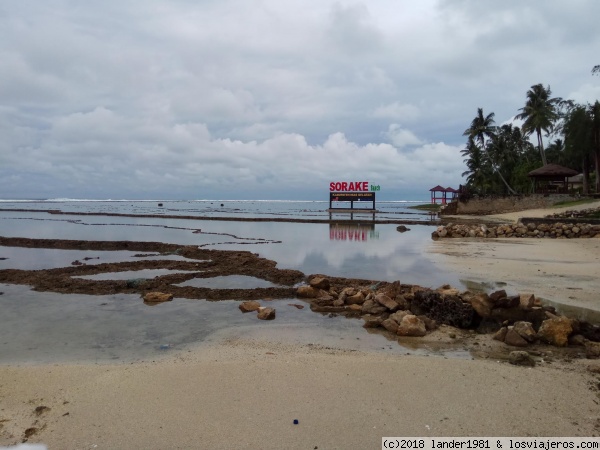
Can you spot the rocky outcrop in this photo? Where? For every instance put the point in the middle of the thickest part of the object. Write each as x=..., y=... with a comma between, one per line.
x=409, y=310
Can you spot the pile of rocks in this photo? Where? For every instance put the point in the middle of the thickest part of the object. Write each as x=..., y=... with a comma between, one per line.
x=519, y=230
x=575, y=214
x=410, y=310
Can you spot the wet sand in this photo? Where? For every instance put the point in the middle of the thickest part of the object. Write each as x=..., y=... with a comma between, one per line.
x=247, y=392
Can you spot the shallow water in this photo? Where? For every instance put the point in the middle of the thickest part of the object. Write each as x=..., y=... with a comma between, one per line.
x=41, y=327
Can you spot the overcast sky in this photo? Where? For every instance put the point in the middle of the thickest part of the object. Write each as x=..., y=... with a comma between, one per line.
x=269, y=99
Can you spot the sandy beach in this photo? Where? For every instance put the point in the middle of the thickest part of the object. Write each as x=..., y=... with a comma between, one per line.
x=246, y=392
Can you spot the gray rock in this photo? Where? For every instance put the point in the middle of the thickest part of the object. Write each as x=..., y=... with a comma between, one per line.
x=521, y=358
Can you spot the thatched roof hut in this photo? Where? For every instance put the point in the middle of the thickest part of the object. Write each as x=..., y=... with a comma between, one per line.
x=550, y=177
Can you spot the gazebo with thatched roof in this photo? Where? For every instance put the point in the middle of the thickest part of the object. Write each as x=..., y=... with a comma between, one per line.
x=551, y=178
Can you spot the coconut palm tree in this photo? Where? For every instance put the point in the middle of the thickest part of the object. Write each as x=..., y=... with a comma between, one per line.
x=481, y=128
x=539, y=113
x=483, y=131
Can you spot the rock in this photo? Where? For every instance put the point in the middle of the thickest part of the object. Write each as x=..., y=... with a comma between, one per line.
x=307, y=292
x=157, y=297
x=592, y=350
x=521, y=358
x=527, y=301
x=411, y=325
x=482, y=305
x=390, y=325
x=355, y=308
x=356, y=299
x=266, y=313
x=495, y=296
x=338, y=302
x=577, y=339
x=430, y=324
x=384, y=300
x=444, y=310
x=372, y=322
x=508, y=302
x=402, y=228
x=252, y=305
x=370, y=307
x=399, y=315
x=556, y=331
x=525, y=330
x=514, y=339
x=500, y=335
x=320, y=283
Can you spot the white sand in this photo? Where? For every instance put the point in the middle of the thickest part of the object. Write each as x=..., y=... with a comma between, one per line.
x=247, y=395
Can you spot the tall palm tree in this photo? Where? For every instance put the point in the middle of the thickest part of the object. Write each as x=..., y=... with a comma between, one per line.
x=481, y=128
x=539, y=113
x=483, y=131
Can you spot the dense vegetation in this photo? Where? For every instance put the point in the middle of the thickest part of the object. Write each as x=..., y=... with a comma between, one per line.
x=498, y=158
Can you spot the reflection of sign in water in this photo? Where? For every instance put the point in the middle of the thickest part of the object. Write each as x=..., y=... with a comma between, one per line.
x=352, y=232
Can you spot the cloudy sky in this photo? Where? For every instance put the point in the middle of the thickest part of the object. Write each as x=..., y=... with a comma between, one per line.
x=269, y=99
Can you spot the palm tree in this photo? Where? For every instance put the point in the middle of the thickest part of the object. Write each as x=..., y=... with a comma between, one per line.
x=539, y=113
x=481, y=128
x=483, y=131
x=478, y=167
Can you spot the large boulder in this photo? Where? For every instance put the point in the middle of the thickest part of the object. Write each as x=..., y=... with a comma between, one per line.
x=556, y=330
x=411, y=325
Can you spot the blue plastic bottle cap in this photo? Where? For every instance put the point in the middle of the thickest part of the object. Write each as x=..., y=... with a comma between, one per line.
x=295, y=421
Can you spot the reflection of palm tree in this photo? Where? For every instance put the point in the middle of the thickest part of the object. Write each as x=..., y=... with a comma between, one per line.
x=539, y=113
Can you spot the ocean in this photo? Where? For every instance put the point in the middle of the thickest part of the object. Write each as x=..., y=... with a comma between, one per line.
x=51, y=327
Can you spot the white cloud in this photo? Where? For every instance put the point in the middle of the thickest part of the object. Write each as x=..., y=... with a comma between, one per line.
x=401, y=137
x=142, y=98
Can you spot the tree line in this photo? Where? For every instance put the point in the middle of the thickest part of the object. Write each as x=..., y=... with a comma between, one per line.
x=498, y=158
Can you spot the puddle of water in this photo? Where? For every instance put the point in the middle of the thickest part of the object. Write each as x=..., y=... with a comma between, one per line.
x=43, y=258
x=43, y=327
x=229, y=282
x=133, y=274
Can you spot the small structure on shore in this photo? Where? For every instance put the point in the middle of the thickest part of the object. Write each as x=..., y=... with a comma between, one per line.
x=444, y=195
x=551, y=178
